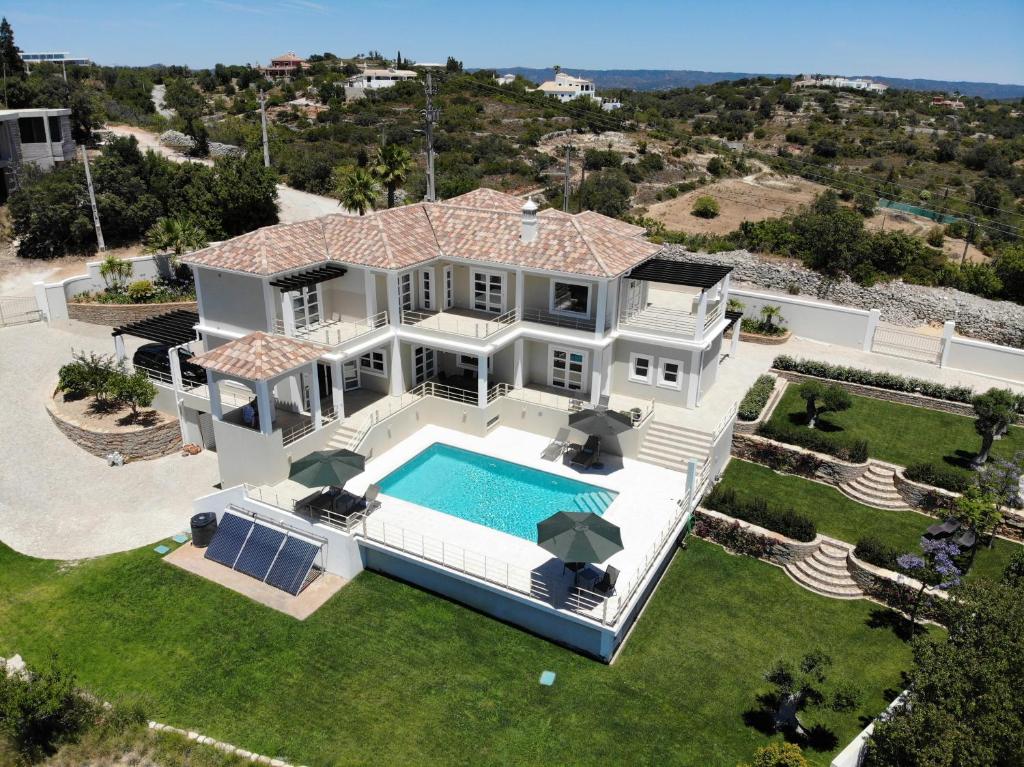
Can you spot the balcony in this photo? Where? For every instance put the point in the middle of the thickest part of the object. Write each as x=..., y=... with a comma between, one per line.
x=670, y=320
x=461, y=322
x=333, y=332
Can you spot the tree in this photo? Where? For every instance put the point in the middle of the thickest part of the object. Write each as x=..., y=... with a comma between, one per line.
x=356, y=189
x=177, y=234
x=1009, y=266
x=705, y=206
x=795, y=687
x=391, y=168
x=771, y=318
x=935, y=566
x=715, y=166
x=607, y=192
x=10, y=54
x=453, y=65
x=822, y=398
x=979, y=511
x=132, y=389
x=994, y=411
x=779, y=754
x=963, y=705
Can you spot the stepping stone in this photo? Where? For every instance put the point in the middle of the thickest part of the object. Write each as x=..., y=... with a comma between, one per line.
x=180, y=538
x=547, y=678
x=161, y=549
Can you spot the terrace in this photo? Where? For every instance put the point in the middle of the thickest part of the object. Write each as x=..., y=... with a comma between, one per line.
x=676, y=298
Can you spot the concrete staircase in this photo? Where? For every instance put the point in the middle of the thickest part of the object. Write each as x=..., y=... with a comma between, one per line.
x=596, y=501
x=344, y=434
x=875, y=488
x=671, y=446
x=825, y=571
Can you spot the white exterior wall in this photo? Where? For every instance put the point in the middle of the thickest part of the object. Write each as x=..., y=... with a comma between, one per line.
x=986, y=359
x=232, y=302
x=621, y=384
x=816, y=320
x=52, y=298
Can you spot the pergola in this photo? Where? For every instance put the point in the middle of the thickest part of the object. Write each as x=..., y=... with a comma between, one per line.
x=259, y=360
x=174, y=328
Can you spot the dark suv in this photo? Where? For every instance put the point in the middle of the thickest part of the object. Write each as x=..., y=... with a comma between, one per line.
x=155, y=357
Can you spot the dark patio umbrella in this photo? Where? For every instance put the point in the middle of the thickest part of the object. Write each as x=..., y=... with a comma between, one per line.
x=579, y=536
x=327, y=467
x=601, y=423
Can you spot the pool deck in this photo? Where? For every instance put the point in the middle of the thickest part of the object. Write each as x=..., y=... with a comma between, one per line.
x=646, y=502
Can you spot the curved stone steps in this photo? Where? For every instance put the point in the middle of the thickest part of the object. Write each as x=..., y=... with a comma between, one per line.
x=876, y=487
x=825, y=572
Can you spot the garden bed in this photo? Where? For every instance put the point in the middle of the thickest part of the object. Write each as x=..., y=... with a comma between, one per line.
x=115, y=315
x=761, y=338
x=102, y=431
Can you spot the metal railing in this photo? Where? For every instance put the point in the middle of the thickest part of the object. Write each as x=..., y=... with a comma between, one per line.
x=714, y=315
x=334, y=332
x=547, y=318
x=17, y=310
x=288, y=502
x=164, y=377
x=383, y=413
x=297, y=431
x=454, y=324
x=545, y=399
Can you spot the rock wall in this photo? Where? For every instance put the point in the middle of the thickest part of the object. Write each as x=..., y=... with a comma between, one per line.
x=114, y=315
x=1000, y=322
x=896, y=590
x=795, y=460
x=900, y=397
x=139, y=445
x=781, y=550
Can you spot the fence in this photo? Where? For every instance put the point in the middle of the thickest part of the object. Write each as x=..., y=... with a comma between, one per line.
x=898, y=342
x=451, y=323
x=334, y=332
x=17, y=310
x=297, y=431
x=547, y=318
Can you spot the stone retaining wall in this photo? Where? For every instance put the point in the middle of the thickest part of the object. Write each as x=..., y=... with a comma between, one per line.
x=139, y=445
x=894, y=589
x=783, y=550
x=750, y=427
x=791, y=459
x=925, y=497
x=757, y=338
x=114, y=315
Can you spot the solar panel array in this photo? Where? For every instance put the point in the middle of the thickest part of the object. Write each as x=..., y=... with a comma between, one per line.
x=262, y=552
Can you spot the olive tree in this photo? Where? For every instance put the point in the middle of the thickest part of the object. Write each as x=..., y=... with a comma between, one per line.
x=994, y=411
x=822, y=398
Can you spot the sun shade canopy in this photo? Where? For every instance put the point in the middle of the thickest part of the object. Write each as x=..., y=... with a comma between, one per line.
x=601, y=423
x=579, y=536
x=309, y=278
x=327, y=467
x=673, y=272
x=171, y=328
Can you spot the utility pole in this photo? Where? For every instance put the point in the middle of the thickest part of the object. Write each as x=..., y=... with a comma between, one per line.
x=583, y=180
x=567, y=183
x=263, y=123
x=430, y=115
x=92, y=201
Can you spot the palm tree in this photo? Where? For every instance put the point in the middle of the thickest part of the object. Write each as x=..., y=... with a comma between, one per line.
x=356, y=189
x=179, y=235
x=391, y=167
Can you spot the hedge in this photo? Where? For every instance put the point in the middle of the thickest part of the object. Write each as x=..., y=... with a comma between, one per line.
x=757, y=511
x=938, y=475
x=873, y=551
x=873, y=378
x=756, y=398
x=852, y=450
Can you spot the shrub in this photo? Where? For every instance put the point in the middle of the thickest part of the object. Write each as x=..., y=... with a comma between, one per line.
x=705, y=206
x=879, y=380
x=88, y=374
x=935, y=237
x=938, y=475
x=715, y=166
x=140, y=291
x=757, y=511
x=873, y=551
x=132, y=389
x=852, y=450
x=756, y=398
x=733, y=536
x=779, y=754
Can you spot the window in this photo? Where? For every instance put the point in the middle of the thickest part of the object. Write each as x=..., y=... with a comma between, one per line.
x=405, y=291
x=374, y=363
x=469, y=362
x=424, y=364
x=427, y=289
x=640, y=367
x=570, y=298
x=32, y=130
x=305, y=306
x=55, y=132
x=670, y=374
x=489, y=292
x=449, y=288
x=567, y=368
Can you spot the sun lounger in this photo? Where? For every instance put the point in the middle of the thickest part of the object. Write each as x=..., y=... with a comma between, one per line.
x=966, y=540
x=587, y=455
x=557, y=446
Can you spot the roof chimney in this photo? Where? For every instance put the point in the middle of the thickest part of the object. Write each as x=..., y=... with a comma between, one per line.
x=529, y=230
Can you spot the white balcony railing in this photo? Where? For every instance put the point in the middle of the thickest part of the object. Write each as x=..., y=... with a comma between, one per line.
x=334, y=332
x=459, y=325
x=297, y=431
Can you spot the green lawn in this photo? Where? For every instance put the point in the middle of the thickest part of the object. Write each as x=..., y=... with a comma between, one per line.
x=388, y=674
x=902, y=434
x=840, y=517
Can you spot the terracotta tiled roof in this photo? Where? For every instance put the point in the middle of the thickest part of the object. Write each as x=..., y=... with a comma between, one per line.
x=482, y=225
x=258, y=356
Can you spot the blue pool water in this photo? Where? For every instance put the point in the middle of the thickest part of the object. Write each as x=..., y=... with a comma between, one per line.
x=502, y=495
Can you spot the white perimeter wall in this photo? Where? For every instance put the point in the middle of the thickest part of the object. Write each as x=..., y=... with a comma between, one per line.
x=807, y=318
x=52, y=298
x=986, y=359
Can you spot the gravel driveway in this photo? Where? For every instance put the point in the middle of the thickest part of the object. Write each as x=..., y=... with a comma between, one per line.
x=58, y=501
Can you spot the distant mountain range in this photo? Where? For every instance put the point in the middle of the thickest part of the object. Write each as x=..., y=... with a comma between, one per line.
x=663, y=79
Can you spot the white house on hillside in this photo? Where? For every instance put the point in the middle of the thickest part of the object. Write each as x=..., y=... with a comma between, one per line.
x=39, y=137
x=380, y=78
x=566, y=87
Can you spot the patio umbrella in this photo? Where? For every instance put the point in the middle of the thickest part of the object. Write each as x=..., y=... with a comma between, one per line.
x=327, y=467
x=601, y=423
x=579, y=536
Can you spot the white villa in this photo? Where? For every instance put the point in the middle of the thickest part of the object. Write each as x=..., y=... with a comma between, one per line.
x=857, y=83
x=566, y=87
x=481, y=323
x=375, y=79
x=40, y=137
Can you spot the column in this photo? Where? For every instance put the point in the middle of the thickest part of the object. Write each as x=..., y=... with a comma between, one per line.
x=613, y=296
x=119, y=351
x=693, y=380
x=338, y=388
x=520, y=293
x=213, y=386
x=370, y=290
x=602, y=308
x=175, y=360
x=735, y=344
x=726, y=283
x=265, y=407
x=691, y=476
x=869, y=332
x=314, y=396
x=397, y=376
x=595, y=380
x=481, y=381
x=268, y=304
x=394, y=300
x=702, y=313
x=948, y=329
x=608, y=359
x=287, y=315
x=517, y=367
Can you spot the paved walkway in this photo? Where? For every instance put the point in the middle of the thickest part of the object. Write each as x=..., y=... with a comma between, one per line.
x=58, y=501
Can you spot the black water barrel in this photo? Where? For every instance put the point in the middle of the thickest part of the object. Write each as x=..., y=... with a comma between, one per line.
x=203, y=527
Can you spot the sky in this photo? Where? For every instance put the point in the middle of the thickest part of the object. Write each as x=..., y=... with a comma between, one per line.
x=977, y=40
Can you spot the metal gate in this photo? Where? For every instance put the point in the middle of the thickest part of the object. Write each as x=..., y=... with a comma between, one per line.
x=17, y=310
x=900, y=342
x=206, y=431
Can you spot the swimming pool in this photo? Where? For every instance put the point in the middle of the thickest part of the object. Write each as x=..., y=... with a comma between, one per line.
x=498, y=494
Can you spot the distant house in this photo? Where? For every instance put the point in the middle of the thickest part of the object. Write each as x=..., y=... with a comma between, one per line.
x=566, y=87
x=379, y=78
x=506, y=79
x=942, y=101
x=41, y=137
x=53, y=57
x=286, y=65
x=857, y=83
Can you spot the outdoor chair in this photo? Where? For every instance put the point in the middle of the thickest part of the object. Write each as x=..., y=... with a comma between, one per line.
x=557, y=446
x=587, y=455
x=606, y=585
x=943, y=529
x=602, y=402
x=966, y=540
x=370, y=497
